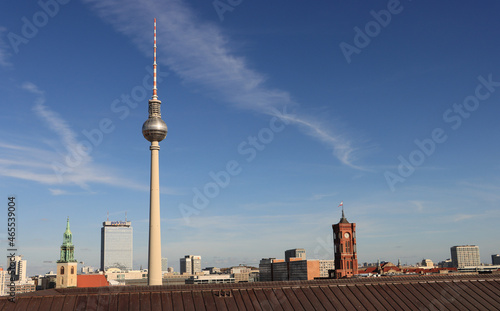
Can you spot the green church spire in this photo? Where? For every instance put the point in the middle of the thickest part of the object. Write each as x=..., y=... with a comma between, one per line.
x=68, y=237
x=67, y=248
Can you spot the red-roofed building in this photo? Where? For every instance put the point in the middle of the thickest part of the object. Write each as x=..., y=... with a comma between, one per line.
x=389, y=268
x=91, y=280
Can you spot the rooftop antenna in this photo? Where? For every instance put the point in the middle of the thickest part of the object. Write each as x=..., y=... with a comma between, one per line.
x=155, y=95
x=107, y=216
x=125, y=216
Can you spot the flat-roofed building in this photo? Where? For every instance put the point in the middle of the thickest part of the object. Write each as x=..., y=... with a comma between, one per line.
x=280, y=270
x=164, y=265
x=495, y=260
x=210, y=279
x=326, y=265
x=300, y=270
x=190, y=264
x=117, y=245
x=266, y=269
x=465, y=256
x=295, y=253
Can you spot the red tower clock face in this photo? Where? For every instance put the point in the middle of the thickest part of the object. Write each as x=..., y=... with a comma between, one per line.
x=346, y=235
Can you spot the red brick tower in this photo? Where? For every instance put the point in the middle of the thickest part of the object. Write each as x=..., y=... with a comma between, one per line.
x=346, y=255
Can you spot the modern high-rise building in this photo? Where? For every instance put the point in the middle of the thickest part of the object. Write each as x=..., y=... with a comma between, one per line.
x=154, y=130
x=16, y=266
x=465, y=256
x=344, y=240
x=185, y=265
x=116, y=245
x=266, y=269
x=495, y=260
x=164, y=265
x=14, y=279
x=190, y=264
x=295, y=253
x=67, y=264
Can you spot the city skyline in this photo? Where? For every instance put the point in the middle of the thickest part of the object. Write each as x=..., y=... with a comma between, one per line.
x=276, y=112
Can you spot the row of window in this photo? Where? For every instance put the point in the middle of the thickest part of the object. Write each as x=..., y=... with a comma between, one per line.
x=349, y=247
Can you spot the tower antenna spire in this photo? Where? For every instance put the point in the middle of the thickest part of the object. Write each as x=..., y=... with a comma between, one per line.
x=155, y=94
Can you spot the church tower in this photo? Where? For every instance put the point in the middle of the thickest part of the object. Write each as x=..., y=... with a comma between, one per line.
x=344, y=240
x=66, y=266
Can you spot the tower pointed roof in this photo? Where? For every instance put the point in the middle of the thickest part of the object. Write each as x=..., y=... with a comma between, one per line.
x=67, y=247
x=343, y=220
x=68, y=236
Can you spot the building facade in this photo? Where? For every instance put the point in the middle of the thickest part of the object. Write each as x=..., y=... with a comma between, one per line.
x=17, y=268
x=427, y=263
x=67, y=264
x=465, y=256
x=300, y=270
x=344, y=240
x=190, y=264
x=296, y=269
x=295, y=253
x=164, y=265
x=326, y=265
x=266, y=269
x=13, y=280
x=117, y=245
x=210, y=279
x=279, y=270
x=495, y=260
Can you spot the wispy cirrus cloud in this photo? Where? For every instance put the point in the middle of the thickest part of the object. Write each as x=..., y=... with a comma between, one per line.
x=54, y=122
x=201, y=54
x=36, y=163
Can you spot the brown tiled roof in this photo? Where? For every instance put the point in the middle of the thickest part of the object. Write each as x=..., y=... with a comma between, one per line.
x=461, y=292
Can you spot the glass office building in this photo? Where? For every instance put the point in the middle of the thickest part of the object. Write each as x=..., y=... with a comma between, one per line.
x=116, y=245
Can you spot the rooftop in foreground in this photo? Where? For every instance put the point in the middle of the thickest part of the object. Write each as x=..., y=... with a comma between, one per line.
x=450, y=292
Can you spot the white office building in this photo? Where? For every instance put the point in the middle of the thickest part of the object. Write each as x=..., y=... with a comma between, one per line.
x=465, y=256
x=116, y=245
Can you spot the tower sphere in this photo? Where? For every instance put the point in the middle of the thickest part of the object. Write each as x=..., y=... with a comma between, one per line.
x=154, y=129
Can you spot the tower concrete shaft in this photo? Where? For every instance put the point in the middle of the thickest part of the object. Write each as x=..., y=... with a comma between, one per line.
x=154, y=257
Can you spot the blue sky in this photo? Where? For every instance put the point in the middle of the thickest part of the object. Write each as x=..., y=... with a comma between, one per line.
x=390, y=106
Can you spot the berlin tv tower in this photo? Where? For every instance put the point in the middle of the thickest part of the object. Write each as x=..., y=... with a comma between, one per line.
x=154, y=130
